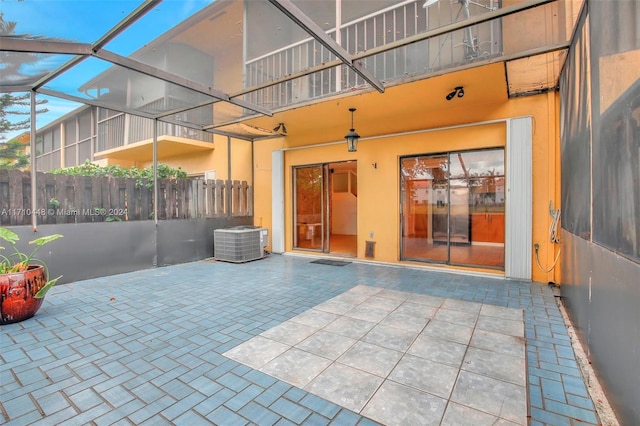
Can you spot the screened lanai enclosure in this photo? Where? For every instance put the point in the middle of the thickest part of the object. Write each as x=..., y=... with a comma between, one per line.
x=212, y=68
x=156, y=81
x=165, y=79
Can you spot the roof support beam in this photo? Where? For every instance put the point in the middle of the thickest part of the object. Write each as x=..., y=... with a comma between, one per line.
x=133, y=112
x=143, y=68
x=119, y=108
x=183, y=109
x=205, y=129
x=138, y=13
x=13, y=89
x=15, y=44
x=300, y=18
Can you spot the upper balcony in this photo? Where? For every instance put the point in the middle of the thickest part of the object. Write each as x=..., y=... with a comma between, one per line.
x=364, y=29
x=234, y=60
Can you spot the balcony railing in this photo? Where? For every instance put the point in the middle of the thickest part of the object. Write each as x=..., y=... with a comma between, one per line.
x=118, y=130
x=388, y=25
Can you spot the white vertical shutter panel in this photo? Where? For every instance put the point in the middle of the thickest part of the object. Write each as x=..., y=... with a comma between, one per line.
x=277, y=201
x=518, y=222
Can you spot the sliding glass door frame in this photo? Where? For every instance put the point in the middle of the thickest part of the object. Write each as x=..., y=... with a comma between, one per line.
x=464, y=199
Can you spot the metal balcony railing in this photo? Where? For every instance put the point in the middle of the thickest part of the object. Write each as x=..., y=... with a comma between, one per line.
x=386, y=26
x=118, y=130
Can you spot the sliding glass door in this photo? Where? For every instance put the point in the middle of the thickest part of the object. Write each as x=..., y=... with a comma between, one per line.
x=325, y=208
x=452, y=208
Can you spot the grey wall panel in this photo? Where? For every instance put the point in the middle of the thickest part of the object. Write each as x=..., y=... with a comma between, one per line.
x=90, y=250
x=181, y=241
x=518, y=217
x=602, y=294
x=575, y=134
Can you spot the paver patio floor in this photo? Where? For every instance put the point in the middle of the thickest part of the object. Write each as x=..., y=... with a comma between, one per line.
x=205, y=343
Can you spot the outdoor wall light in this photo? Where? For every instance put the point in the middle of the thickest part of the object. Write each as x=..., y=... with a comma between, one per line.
x=458, y=90
x=280, y=128
x=352, y=137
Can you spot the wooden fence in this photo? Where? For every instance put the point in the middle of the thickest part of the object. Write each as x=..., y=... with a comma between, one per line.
x=79, y=199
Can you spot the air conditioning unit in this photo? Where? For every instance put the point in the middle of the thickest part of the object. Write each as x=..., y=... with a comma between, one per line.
x=240, y=244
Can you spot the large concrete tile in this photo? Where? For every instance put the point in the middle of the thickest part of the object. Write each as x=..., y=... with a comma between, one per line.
x=498, y=342
x=460, y=415
x=496, y=397
x=396, y=404
x=424, y=299
x=405, y=322
x=257, y=352
x=327, y=345
x=381, y=303
x=468, y=319
x=416, y=310
x=502, y=312
x=296, y=367
x=462, y=305
x=289, y=332
x=315, y=318
x=350, y=327
x=371, y=358
x=500, y=325
x=390, y=337
x=337, y=307
x=344, y=385
x=438, y=350
x=367, y=313
x=448, y=331
x=365, y=290
x=427, y=376
x=498, y=366
x=394, y=294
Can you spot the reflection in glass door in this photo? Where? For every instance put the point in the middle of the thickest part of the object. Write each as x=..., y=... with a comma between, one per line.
x=310, y=204
x=425, y=208
x=325, y=207
x=453, y=208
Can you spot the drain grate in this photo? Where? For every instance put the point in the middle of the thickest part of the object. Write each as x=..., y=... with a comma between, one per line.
x=331, y=262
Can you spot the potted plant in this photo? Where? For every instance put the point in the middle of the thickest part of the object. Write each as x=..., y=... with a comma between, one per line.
x=23, y=279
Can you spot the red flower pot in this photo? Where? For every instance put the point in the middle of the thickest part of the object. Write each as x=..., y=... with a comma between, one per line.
x=17, y=294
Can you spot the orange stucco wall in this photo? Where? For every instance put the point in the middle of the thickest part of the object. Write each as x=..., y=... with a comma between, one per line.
x=378, y=188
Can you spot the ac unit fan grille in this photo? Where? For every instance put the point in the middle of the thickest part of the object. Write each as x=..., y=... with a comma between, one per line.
x=238, y=245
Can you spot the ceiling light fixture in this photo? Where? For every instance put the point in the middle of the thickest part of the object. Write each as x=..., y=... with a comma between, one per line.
x=352, y=137
x=457, y=91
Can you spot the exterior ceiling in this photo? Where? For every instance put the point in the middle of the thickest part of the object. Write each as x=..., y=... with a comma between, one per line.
x=146, y=59
x=398, y=110
x=168, y=147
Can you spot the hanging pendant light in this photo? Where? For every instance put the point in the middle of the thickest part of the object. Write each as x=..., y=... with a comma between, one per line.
x=352, y=137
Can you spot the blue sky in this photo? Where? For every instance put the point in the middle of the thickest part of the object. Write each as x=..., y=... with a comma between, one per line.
x=86, y=21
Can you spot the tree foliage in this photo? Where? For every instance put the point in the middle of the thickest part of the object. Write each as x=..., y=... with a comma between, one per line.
x=13, y=155
x=15, y=104
x=142, y=176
